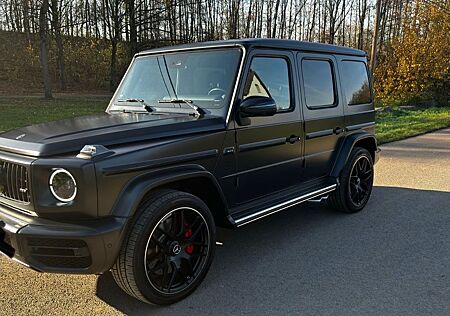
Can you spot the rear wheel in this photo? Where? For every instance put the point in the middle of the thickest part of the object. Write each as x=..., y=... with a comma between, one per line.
x=169, y=249
x=355, y=183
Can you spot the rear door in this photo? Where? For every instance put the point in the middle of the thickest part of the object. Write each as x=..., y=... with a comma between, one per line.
x=323, y=111
x=269, y=155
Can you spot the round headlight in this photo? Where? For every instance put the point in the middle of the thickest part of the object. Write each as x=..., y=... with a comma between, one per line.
x=63, y=185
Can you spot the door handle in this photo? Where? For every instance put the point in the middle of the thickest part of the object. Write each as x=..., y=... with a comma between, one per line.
x=338, y=130
x=292, y=139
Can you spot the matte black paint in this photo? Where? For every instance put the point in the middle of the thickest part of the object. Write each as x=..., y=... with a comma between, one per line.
x=71, y=135
x=239, y=166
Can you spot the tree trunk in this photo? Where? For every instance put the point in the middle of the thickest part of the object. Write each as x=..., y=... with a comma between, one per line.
x=133, y=27
x=275, y=19
x=43, y=35
x=373, y=60
x=56, y=23
x=113, y=67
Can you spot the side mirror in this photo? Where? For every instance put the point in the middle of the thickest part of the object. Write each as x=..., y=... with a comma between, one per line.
x=258, y=106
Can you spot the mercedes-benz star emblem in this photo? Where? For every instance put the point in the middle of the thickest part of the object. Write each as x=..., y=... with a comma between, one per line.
x=176, y=249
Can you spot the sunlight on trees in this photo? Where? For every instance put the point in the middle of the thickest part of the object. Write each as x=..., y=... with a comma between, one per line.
x=90, y=42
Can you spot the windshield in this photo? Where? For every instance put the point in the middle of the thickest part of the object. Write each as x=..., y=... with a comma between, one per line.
x=205, y=78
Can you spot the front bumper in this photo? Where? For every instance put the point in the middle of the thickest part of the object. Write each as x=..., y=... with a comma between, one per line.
x=82, y=247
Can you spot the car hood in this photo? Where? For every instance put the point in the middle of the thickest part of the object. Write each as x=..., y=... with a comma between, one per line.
x=105, y=129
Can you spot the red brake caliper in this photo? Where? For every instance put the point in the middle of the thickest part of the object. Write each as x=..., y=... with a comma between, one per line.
x=189, y=248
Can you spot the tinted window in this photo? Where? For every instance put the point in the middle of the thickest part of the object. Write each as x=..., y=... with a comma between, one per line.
x=205, y=77
x=318, y=81
x=356, y=82
x=269, y=77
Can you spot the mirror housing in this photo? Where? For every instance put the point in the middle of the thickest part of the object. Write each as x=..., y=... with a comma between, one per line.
x=258, y=106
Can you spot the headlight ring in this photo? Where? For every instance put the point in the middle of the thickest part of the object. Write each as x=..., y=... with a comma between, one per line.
x=63, y=185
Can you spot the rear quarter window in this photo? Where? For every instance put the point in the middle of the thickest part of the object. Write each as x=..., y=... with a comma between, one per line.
x=355, y=81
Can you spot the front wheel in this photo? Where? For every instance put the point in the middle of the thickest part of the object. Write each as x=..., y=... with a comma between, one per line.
x=169, y=248
x=355, y=183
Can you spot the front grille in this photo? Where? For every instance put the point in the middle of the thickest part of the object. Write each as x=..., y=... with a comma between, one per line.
x=14, y=182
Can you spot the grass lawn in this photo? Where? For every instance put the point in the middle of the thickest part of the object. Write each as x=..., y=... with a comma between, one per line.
x=21, y=111
x=402, y=123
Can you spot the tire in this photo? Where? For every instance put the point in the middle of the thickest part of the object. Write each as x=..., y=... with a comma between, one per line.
x=350, y=185
x=150, y=263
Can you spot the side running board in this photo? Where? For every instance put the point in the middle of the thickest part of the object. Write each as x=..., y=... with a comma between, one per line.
x=282, y=206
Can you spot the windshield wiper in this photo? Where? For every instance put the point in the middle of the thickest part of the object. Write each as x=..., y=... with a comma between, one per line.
x=198, y=110
x=142, y=102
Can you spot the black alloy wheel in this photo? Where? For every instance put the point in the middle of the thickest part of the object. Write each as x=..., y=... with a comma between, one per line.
x=176, y=251
x=355, y=183
x=361, y=178
x=168, y=250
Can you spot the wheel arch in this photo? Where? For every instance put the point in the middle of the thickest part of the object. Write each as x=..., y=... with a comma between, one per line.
x=358, y=139
x=193, y=179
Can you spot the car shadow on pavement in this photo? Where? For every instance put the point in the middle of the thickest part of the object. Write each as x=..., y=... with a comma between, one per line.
x=392, y=257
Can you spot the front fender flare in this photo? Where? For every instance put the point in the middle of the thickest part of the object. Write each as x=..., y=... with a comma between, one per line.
x=135, y=190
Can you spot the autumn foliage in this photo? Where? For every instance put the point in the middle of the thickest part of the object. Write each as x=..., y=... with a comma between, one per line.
x=415, y=65
x=91, y=42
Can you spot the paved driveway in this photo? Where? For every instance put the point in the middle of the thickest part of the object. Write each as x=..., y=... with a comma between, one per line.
x=392, y=258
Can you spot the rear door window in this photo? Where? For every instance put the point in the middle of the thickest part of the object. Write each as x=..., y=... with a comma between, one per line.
x=318, y=80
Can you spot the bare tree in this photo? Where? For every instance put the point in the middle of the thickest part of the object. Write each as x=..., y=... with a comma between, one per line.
x=55, y=6
x=43, y=35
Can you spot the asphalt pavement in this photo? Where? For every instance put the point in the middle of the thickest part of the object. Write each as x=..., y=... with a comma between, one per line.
x=393, y=258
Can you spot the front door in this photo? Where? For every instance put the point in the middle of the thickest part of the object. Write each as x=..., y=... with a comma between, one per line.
x=269, y=149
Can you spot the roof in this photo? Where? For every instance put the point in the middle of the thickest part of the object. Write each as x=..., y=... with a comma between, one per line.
x=265, y=43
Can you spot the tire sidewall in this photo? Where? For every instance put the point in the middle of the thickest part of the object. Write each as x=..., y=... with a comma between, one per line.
x=142, y=282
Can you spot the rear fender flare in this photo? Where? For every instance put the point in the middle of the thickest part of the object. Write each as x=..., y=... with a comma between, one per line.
x=352, y=140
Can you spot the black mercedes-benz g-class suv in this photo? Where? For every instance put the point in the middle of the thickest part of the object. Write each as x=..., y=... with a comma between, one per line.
x=196, y=136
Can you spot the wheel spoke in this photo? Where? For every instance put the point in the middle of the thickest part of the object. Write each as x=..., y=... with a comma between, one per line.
x=157, y=267
x=165, y=273
x=364, y=187
x=182, y=223
x=354, y=194
x=358, y=166
x=196, y=221
x=363, y=165
x=361, y=196
x=155, y=255
x=197, y=231
x=366, y=176
x=164, y=232
x=172, y=278
x=158, y=242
